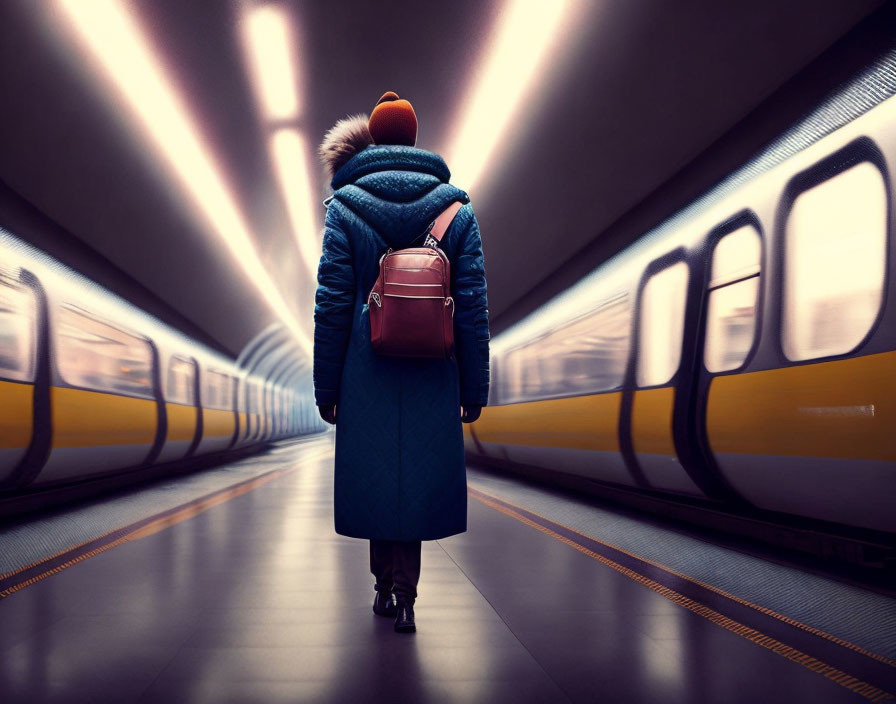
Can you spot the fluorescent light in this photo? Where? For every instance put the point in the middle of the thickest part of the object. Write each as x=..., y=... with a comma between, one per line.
x=111, y=34
x=526, y=31
x=266, y=34
x=289, y=151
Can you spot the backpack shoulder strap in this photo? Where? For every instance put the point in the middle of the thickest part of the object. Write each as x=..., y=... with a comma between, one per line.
x=440, y=226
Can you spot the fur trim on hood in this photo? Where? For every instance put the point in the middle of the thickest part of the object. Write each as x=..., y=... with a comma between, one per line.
x=345, y=139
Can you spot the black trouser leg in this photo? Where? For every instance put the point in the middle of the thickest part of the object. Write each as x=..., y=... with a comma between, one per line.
x=381, y=564
x=406, y=568
x=396, y=566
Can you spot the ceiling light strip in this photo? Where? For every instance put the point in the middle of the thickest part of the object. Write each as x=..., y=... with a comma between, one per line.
x=289, y=150
x=271, y=61
x=266, y=31
x=111, y=34
x=517, y=53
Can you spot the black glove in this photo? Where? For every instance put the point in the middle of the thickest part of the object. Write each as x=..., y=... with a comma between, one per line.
x=328, y=413
x=469, y=413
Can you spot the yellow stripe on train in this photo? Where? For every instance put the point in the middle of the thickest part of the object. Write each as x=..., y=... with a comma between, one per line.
x=88, y=418
x=181, y=422
x=839, y=409
x=217, y=423
x=652, y=411
x=580, y=422
x=16, y=414
x=842, y=409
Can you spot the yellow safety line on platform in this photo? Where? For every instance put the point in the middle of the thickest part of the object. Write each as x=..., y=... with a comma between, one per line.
x=854, y=684
x=762, y=609
x=187, y=512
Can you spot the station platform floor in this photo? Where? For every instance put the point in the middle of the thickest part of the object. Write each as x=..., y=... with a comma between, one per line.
x=229, y=585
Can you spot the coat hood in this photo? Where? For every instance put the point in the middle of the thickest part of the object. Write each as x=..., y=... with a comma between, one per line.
x=398, y=191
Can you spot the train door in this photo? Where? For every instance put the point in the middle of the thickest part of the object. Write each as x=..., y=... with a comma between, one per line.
x=728, y=335
x=656, y=381
x=658, y=422
x=181, y=409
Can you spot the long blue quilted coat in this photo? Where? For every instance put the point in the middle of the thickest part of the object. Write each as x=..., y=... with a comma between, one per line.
x=400, y=471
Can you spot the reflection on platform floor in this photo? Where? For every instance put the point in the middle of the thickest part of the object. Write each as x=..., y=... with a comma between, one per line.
x=252, y=597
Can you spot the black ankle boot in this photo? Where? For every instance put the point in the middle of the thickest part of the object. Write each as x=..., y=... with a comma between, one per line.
x=404, y=618
x=384, y=604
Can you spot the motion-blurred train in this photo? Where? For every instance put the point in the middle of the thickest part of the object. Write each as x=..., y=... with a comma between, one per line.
x=740, y=357
x=92, y=386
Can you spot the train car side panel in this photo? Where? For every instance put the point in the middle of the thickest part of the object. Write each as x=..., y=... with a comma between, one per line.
x=217, y=430
x=16, y=423
x=816, y=440
x=578, y=434
x=652, y=411
x=182, y=422
x=95, y=432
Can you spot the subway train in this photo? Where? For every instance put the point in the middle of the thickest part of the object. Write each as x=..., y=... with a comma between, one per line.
x=741, y=357
x=91, y=386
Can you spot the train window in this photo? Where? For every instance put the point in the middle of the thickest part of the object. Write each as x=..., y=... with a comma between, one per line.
x=98, y=356
x=836, y=246
x=217, y=391
x=18, y=330
x=511, y=377
x=662, y=325
x=586, y=355
x=180, y=386
x=733, y=289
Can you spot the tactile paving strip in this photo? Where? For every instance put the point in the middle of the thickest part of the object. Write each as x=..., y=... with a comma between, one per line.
x=860, y=616
x=30, y=541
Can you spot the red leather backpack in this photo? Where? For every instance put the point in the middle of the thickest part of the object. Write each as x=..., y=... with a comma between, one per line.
x=411, y=308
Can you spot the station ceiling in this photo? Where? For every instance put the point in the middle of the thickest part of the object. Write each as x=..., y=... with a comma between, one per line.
x=628, y=96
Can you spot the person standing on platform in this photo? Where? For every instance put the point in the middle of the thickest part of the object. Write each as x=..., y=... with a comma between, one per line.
x=400, y=474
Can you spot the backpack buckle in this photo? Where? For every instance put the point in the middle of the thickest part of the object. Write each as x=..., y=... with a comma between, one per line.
x=376, y=299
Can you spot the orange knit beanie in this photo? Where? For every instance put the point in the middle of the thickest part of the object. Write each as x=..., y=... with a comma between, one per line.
x=393, y=121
